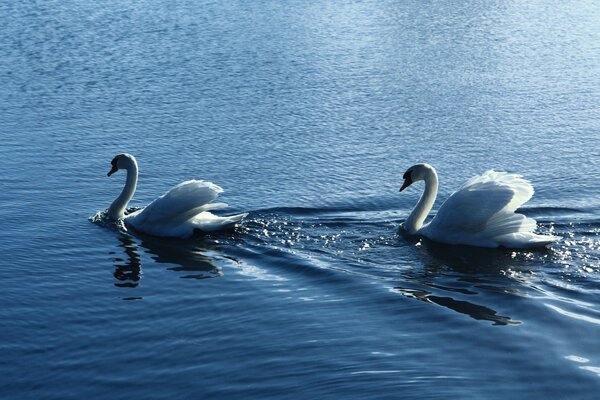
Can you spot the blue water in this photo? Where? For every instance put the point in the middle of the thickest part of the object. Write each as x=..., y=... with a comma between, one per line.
x=307, y=113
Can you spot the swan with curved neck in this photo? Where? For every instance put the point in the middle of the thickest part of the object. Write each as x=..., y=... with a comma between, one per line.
x=180, y=212
x=427, y=173
x=480, y=213
x=128, y=163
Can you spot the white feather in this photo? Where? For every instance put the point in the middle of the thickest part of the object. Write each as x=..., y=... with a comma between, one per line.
x=480, y=213
x=180, y=212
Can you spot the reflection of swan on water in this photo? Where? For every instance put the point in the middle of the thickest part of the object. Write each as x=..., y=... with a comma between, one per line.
x=187, y=257
x=480, y=213
x=454, y=274
x=180, y=212
x=129, y=272
x=473, y=310
x=461, y=278
x=179, y=256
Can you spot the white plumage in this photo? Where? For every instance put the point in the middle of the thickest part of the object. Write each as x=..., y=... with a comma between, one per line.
x=480, y=213
x=180, y=212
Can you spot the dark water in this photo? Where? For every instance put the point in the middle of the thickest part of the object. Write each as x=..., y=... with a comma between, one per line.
x=307, y=113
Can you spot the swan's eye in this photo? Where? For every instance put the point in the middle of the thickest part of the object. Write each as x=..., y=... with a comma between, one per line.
x=407, y=174
x=114, y=162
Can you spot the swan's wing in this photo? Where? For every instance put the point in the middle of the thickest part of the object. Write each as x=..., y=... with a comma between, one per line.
x=180, y=203
x=486, y=202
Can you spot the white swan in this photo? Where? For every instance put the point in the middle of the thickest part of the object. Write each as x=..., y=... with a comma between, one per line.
x=480, y=213
x=178, y=213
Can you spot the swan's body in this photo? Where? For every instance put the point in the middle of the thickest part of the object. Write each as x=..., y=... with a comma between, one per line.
x=180, y=212
x=480, y=213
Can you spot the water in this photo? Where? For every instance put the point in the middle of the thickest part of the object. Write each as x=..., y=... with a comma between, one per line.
x=307, y=113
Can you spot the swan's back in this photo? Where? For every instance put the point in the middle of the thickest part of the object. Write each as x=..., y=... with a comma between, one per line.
x=183, y=210
x=482, y=213
x=180, y=203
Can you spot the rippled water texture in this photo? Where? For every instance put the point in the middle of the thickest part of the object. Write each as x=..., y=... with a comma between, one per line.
x=307, y=114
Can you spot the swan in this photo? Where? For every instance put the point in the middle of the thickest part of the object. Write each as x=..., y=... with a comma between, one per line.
x=180, y=212
x=481, y=213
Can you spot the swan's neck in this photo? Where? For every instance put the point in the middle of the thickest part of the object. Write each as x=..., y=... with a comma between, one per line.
x=117, y=208
x=415, y=220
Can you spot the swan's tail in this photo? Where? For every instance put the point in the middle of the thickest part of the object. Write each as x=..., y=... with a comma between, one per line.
x=208, y=222
x=524, y=240
x=516, y=231
x=233, y=219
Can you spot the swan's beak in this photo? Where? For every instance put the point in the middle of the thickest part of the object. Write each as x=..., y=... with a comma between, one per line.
x=113, y=170
x=407, y=183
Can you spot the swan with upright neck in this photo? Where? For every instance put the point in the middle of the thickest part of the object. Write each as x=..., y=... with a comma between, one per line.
x=481, y=213
x=180, y=212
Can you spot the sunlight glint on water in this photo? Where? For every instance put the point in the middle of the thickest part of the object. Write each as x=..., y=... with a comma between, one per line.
x=307, y=114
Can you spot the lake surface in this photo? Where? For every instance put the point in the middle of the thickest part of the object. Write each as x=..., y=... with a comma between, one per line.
x=307, y=113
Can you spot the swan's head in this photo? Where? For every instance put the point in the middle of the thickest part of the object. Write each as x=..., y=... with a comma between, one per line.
x=417, y=172
x=122, y=161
